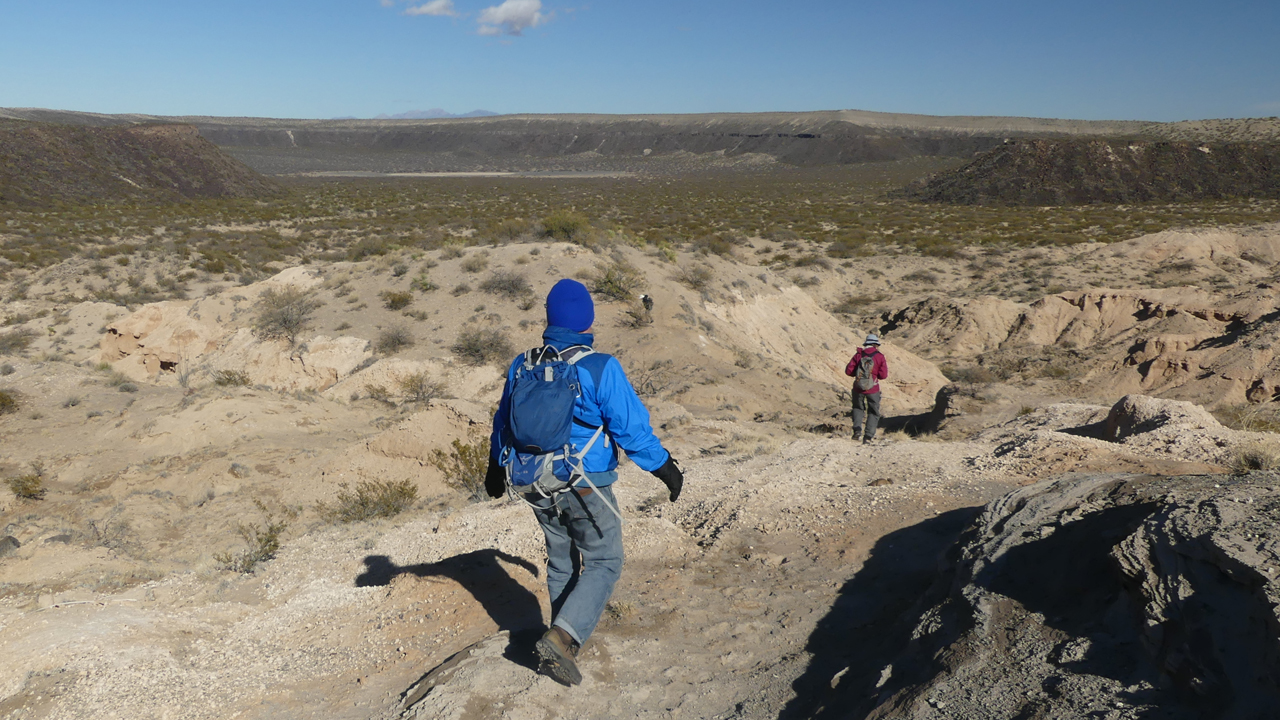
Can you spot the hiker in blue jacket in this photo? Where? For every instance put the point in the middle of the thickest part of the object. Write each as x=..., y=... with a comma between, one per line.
x=583, y=533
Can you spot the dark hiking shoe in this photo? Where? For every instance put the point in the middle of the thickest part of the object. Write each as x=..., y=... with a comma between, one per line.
x=557, y=653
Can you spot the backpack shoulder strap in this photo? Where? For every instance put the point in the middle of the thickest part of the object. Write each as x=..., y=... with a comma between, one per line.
x=575, y=353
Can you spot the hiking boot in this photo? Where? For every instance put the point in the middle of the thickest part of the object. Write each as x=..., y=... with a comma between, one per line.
x=866, y=440
x=557, y=653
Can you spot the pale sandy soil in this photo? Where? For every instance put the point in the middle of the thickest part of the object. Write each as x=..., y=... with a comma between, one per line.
x=114, y=605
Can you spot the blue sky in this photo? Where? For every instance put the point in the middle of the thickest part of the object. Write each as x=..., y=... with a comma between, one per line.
x=1120, y=59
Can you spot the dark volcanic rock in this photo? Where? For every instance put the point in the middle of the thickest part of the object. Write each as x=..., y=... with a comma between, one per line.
x=1106, y=597
x=42, y=164
x=1077, y=171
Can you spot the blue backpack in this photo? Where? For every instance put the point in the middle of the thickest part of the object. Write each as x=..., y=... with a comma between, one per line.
x=536, y=448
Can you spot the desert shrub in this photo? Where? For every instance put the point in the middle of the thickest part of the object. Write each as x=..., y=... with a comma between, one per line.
x=923, y=276
x=419, y=387
x=263, y=540
x=1263, y=417
x=806, y=282
x=483, y=345
x=284, y=313
x=464, y=466
x=367, y=247
x=16, y=342
x=509, y=285
x=856, y=304
x=8, y=401
x=71, y=402
x=718, y=244
x=393, y=339
x=975, y=374
x=460, y=290
x=564, y=225
x=6, y=369
x=127, y=387
x=510, y=229
x=475, y=263
x=1255, y=456
x=29, y=486
x=369, y=499
x=812, y=260
x=395, y=299
x=230, y=378
x=378, y=392
x=423, y=284
x=452, y=252
x=618, y=281
x=399, y=269
x=695, y=277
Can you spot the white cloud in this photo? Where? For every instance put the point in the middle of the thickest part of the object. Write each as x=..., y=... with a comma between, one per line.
x=512, y=17
x=388, y=3
x=435, y=7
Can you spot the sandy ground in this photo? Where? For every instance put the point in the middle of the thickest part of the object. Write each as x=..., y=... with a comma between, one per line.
x=113, y=604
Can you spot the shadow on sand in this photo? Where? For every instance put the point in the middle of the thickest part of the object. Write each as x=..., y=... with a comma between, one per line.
x=871, y=621
x=509, y=604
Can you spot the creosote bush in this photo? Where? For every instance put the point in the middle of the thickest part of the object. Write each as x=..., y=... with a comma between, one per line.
x=284, y=313
x=395, y=299
x=464, y=466
x=231, y=378
x=263, y=540
x=506, y=284
x=16, y=342
x=393, y=340
x=8, y=401
x=695, y=277
x=618, y=281
x=564, y=225
x=483, y=345
x=29, y=486
x=419, y=387
x=369, y=499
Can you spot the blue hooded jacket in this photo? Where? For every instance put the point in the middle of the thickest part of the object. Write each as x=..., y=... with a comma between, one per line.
x=607, y=399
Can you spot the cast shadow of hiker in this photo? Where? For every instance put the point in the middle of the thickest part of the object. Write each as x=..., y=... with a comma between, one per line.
x=509, y=604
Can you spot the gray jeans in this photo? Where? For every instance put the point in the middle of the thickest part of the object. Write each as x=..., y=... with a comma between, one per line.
x=868, y=405
x=584, y=558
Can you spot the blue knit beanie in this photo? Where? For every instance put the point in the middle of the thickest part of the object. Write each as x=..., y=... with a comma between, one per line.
x=569, y=306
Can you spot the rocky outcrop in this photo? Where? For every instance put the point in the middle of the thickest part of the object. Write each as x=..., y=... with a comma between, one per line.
x=1074, y=172
x=167, y=341
x=1102, y=596
x=44, y=163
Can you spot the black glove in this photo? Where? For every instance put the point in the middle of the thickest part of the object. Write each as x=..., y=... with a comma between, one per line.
x=671, y=476
x=495, y=480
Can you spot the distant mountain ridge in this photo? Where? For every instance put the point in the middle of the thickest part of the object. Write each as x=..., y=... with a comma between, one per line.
x=433, y=114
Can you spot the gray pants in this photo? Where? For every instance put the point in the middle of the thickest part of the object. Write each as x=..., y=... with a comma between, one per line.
x=868, y=405
x=584, y=557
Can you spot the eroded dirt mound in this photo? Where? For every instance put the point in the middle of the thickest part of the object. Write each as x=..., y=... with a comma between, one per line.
x=1074, y=172
x=1104, y=596
x=44, y=163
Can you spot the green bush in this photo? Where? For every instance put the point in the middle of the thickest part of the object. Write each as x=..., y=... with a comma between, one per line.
x=16, y=342
x=564, y=225
x=509, y=285
x=230, y=378
x=263, y=540
x=464, y=466
x=483, y=345
x=393, y=339
x=618, y=281
x=29, y=486
x=8, y=401
x=370, y=499
x=423, y=284
x=695, y=277
x=283, y=314
x=419, y=387
x=396, y=299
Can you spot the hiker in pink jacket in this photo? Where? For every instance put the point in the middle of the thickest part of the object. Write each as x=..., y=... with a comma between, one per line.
x=868, y=367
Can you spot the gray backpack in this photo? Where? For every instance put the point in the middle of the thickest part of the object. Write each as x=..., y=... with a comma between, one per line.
x=865, y=379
